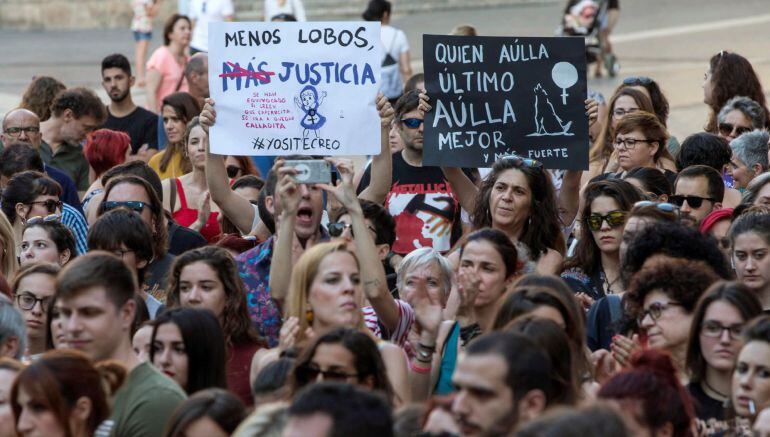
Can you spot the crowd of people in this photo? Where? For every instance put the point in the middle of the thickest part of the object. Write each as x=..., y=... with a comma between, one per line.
x=149, y=287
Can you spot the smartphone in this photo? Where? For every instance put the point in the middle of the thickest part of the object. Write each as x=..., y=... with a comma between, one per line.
x=311, y=171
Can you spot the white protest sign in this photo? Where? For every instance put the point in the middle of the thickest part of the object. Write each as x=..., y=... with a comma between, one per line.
x=295, y=88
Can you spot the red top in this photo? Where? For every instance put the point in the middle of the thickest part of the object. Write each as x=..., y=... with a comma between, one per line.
x=238, y=370
x=186, y=216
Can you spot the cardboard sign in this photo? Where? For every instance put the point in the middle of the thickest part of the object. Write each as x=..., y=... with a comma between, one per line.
x=495, y=96
x=295, y=88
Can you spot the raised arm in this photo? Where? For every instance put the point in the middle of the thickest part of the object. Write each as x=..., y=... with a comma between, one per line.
x=288, y=190
x=569, y=195
x=372, y=272
x=382, y=164
x=237, y=208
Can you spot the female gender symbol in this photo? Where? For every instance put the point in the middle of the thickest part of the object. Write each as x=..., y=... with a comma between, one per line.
x=564, y=75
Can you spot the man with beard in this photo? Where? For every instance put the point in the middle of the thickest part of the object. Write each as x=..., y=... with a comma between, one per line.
x=698, y=190
x=420, y=199
x=502, y=380
x=122, y=114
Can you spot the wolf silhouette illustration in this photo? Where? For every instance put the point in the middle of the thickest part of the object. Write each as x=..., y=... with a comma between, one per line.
x=547, y=122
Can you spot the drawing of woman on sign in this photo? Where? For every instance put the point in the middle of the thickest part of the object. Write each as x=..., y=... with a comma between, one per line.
x=308, y=102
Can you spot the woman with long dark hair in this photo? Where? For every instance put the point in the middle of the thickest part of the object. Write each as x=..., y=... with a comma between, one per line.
x=188, y=345
x=207, y=278
x=594, y=270
x=729, y=75
x=177, y=110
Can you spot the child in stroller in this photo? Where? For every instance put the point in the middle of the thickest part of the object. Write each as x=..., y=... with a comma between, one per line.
x=593, y=20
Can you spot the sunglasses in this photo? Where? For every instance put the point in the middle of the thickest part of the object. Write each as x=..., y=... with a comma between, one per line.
x=637, y=80
x=133, y=205
x=336, y=229
x=411, y=123
x=727, y=129
x=41, y=219
x=693, y=201
x=50, y=205
x=523, y=162
x=613, y=218
x=232, y=171
x=306, y=373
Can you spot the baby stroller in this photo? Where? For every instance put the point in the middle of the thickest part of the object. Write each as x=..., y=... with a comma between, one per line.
x=585, y=18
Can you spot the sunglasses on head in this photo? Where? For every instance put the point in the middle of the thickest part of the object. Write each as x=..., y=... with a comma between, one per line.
x=693, y=201
x=663, y=206
x=232, y=171
x=411, y=123
x=637, y=80
x=133, y=205
x=50, y=205
x=726, y=129
x=523, y=162
x=613, y=218
x=41, y=219
x=306, y=373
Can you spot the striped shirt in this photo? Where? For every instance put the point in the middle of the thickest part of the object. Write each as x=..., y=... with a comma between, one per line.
x=74, y=220
x=405, y=321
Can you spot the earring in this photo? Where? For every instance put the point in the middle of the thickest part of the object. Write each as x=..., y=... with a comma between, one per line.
x=309, y=316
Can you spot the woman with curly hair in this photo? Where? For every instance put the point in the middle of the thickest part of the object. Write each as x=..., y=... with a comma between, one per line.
x=663, y=296
x=730, y=75
x=40, y=94
x=207, y=277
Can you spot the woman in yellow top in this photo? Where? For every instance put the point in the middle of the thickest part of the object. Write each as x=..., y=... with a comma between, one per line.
x=177, y=110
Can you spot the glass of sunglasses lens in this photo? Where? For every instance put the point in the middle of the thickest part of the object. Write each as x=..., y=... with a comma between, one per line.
x=614, y=219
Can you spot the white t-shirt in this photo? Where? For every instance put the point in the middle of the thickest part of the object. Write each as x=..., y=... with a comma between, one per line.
x=202, y=12
x=293, y=7
x=394, y=43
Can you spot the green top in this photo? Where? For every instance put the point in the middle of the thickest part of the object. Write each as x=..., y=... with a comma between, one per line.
x=145, y=403
x=68, y=158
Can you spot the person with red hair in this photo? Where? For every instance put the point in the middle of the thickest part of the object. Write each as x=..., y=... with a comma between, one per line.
x=104, y=149
x=651, y=397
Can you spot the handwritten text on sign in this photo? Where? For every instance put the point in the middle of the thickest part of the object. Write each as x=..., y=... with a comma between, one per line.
x=495, y=96
x=295, y=88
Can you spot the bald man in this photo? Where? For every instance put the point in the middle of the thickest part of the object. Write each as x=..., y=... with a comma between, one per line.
x=23, y=126
x=197, y=73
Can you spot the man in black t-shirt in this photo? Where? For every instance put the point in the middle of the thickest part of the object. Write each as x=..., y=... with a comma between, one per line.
x=421, y=201
x=122, y=114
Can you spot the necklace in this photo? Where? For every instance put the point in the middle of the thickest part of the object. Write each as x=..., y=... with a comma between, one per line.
x=723, y=396
x=607, y=284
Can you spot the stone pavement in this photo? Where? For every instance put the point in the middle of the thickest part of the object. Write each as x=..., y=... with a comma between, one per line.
x=669, y=40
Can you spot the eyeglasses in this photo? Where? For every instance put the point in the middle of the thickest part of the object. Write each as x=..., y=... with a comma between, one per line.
x=41, y=219
x=655, y=310
x=336, y=229
x=50, y=205
x=307, y=373
x=16, y=131
x=121, y=253
x=232, y=171
x=27, y=301
x=714, y=329
x=523, y=162
x=628, y=143
x=620, y=113
x=637, y=80
x=613, y=219
x=693, y=201
x=729, y=129
x=412, y=123
x=133, y=205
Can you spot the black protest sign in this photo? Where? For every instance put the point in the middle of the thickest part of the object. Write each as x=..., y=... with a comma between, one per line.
x=494, y=96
